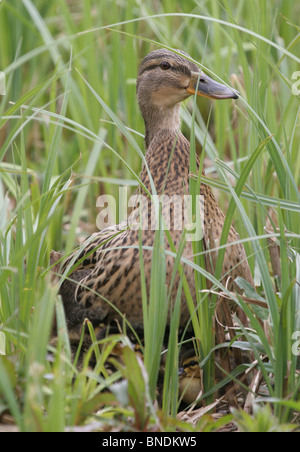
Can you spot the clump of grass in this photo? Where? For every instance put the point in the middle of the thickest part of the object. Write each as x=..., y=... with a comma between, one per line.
x=70, y=130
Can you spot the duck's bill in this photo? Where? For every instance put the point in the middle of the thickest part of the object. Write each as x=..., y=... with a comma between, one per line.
x=181, y=371
x=203, y=85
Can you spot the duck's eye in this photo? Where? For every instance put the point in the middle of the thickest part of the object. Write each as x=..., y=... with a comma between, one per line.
x=165, y=65
x=193, y=364
x=190, y=364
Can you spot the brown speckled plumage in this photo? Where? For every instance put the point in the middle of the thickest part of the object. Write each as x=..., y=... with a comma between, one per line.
x=110, y=267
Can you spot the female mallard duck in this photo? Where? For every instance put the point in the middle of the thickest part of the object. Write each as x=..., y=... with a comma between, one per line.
x=106, y=282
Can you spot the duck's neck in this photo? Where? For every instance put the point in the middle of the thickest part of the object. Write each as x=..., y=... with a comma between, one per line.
x=159, y=119
x=167, y=157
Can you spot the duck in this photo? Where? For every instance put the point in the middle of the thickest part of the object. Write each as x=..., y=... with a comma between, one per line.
x=190, y=376
x=190, y=384
x=103, y=282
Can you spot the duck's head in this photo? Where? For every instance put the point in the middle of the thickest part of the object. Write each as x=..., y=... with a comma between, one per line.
x=166, y=78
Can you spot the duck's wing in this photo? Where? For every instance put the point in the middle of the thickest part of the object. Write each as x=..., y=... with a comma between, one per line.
x=235, y=261
x=80, y=266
